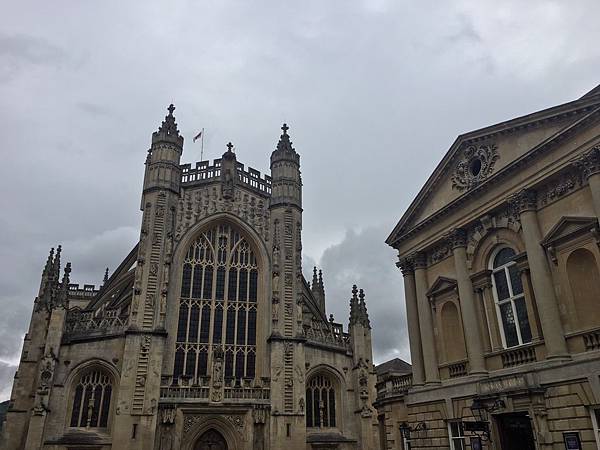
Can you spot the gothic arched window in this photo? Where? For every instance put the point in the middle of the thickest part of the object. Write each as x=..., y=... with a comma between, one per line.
x=91, y=400
x=509, y=297
x=218, y=305
x=320, y=402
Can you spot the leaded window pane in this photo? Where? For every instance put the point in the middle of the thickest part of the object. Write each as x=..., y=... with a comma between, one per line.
x=194, y=319
x=320, y=402
x=205, y=326
x=218, y=325
x=508, y=323
x=524, y=327
x=515, y=280
x=186, y=280
x=504, y=256
x=501, y=285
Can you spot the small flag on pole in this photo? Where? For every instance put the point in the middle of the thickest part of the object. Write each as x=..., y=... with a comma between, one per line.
x=198, y=136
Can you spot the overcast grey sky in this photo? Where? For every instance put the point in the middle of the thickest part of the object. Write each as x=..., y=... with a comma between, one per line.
x=374, y=92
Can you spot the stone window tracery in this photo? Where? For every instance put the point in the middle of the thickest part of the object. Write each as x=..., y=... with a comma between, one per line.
x=91, y=400
x=218, y=305
x=320, y=402
x=509, y=298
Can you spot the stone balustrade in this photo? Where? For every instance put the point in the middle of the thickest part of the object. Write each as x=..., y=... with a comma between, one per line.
x=518, y=356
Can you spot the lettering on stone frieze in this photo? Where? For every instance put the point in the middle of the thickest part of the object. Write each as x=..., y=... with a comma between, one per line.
x=507, y=384
x=474, y=166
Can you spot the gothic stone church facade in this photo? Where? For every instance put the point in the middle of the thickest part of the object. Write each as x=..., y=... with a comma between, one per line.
x=207, y=336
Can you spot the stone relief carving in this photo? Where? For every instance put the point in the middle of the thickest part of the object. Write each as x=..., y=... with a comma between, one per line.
x=476, y=164
x=195, y=204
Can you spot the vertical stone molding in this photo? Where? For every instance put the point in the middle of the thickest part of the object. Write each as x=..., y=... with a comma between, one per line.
x=412, y=317
x=458, y=241
x=525, y=204
x=589, y=164
x=430, y=361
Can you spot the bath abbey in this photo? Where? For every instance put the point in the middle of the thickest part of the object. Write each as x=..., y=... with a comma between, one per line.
x=207, y=336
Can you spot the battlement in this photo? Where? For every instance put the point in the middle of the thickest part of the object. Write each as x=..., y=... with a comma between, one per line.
x=87, y=291
x=204, y=172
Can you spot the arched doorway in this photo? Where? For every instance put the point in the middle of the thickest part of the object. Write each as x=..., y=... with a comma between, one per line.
x=211, y=440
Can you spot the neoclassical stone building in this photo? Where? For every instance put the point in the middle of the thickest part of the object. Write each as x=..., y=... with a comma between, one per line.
x=500, y=257
x=207, y=336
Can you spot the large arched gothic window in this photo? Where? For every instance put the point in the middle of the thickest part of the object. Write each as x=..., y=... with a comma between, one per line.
x=320, y=402
x=510, y=300
x=91, y=400
x=217, y=306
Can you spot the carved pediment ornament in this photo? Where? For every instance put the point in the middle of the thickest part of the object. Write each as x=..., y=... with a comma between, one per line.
x=476, y=164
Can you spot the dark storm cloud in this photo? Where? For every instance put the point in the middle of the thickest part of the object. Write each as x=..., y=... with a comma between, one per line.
x=374, y=91
x=362, y=258
x=19, y=52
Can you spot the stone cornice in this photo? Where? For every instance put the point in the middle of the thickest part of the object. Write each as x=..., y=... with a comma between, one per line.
x=593, y=112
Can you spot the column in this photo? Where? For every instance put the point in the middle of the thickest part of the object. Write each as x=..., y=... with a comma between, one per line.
x=412, y=318
x=541, y=278
x=430, y=361
x=458, y=241
x=589, y=163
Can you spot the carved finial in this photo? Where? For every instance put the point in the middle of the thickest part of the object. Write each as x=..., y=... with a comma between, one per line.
x=354, y=313
x=331, y=318
x=105, y=276
x=229, y=147
x=314, y=280
x=168, y=128
x=49, y=262
x=284, y=143
x=364, y=316
x=321, y=278
x=56, y=264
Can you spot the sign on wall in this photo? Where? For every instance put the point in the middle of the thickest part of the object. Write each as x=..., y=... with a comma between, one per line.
x=572, y=441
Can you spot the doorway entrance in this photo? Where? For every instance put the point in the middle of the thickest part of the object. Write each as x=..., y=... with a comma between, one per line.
x=211, y=440
x=515, y=431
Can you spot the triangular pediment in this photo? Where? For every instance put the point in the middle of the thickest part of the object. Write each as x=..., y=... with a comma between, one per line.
x=440, y=286
x=568, y=227
x=479, y=158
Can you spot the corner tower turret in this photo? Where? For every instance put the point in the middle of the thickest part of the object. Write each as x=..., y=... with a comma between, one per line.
x=162, y=162
x=285, y=173
x=287, y=339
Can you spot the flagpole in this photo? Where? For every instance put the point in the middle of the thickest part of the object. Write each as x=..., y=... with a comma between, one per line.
x=202, y=146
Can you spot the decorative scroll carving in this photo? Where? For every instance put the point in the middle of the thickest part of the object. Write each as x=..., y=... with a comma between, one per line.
x=558, y=187
x=476, y=164
x=525, y=200
x=589, y=162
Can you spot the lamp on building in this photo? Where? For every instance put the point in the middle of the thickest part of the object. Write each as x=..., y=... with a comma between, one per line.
x=406, y=429
x=481, y=410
